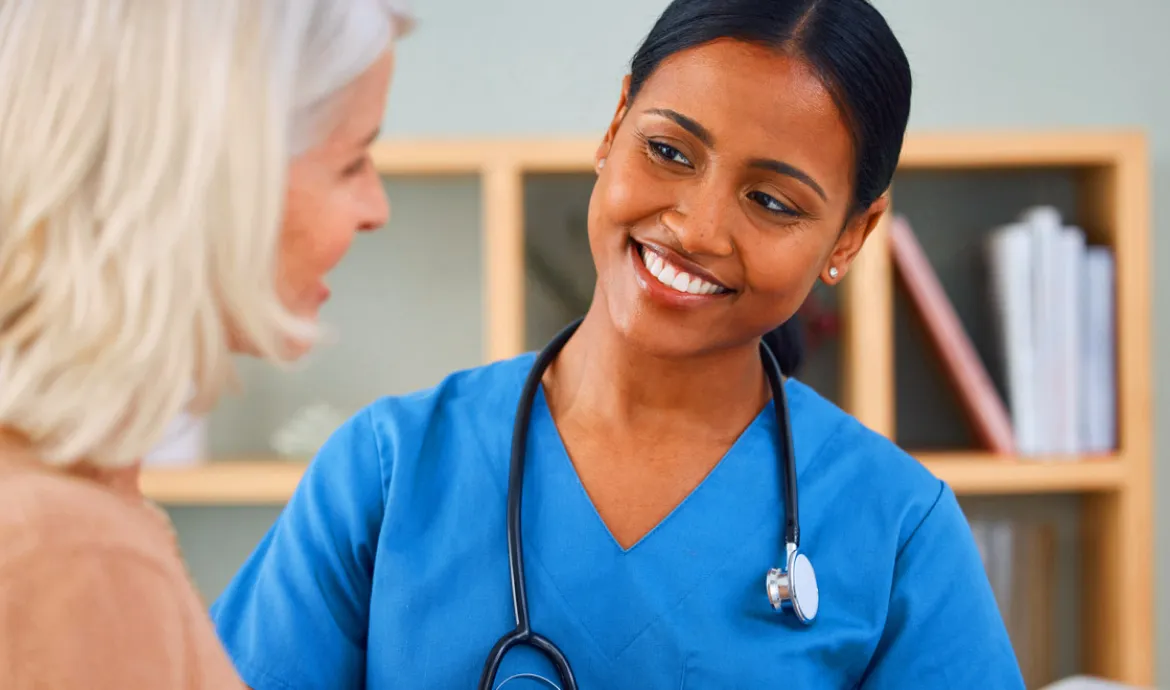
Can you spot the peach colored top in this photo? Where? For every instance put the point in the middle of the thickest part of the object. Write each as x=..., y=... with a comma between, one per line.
x=93, y=591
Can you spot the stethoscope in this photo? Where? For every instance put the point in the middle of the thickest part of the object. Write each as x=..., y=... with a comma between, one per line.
x=791, y=588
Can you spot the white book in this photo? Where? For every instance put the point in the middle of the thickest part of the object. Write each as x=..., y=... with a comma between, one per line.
x=1045, y=225
x=1090, y=683
x=1098, y=409
x=1009, y=274
x=1069, y=301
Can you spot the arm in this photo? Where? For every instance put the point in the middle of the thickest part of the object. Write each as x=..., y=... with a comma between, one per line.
x=296, y=615
x=943, y=628
x=97, y=617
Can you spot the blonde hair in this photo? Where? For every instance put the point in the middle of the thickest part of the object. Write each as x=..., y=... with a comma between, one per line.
x=144, y=147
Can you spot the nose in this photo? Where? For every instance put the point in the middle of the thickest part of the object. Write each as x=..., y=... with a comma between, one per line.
x=375, y=206
x=702, y=221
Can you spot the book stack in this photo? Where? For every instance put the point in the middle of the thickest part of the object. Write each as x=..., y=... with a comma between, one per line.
x=1052, y=305
x=1052, y=299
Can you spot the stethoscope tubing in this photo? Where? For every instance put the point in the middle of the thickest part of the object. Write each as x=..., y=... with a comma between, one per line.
x=523, y=634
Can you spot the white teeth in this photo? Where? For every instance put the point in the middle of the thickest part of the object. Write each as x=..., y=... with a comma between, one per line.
x=674, y=278
x=655, y=264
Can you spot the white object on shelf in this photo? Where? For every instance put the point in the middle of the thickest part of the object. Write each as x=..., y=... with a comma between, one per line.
x=304, y=434
x=1088, y=683
x=183, y=444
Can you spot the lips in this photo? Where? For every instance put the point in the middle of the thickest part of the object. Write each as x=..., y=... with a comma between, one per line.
x=678, y=274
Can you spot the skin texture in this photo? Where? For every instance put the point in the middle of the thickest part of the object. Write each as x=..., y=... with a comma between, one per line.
x=334, y=192
x=653, y=390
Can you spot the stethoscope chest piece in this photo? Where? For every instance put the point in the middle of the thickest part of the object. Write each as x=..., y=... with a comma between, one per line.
x=793, y=588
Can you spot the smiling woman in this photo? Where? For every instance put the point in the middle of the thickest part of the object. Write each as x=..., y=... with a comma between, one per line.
x=747, y=159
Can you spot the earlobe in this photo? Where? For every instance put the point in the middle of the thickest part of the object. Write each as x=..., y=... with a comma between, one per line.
x=853, y=239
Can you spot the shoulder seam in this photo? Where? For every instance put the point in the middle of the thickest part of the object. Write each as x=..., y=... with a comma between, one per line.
x=823, y=448
x=930, y=511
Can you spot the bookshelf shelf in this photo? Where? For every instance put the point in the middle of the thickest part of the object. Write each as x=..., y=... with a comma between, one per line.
x=1110, y=173
x=272, y=481
x=246, y=481
x=259, y=481
x=971, y=474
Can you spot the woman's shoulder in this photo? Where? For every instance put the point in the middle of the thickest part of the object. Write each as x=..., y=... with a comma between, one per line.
x=466, y=409
x=478, y=398
x=87, y=574
x=470, y=389
x=46, y=511
x=872, y=470
x=54, y=526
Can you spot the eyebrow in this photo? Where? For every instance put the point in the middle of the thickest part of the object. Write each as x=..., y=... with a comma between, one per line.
x=790, y=171
x=686, y=123
x=704, y=135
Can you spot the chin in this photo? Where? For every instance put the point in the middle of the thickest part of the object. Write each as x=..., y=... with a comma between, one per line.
x=660, y=321
x=666, y=336
x=291, y=349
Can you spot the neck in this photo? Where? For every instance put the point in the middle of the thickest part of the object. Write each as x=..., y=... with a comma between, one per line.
x=599, y=376
x=16, y=448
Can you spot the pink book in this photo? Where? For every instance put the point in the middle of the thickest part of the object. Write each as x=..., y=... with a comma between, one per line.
x=985, y=410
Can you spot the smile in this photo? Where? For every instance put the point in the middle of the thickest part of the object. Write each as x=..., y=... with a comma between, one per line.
x=676, y=278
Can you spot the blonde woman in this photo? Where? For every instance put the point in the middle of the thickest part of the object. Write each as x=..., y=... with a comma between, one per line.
x=178, y=177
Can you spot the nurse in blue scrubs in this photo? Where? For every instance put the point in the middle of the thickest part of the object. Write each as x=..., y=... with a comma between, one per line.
x=747, y=159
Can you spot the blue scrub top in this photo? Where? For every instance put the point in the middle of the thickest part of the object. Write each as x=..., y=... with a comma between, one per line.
x=388, y=568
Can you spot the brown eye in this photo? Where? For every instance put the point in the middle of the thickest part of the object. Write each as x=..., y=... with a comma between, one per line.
x=771, y=204
x=668, y=153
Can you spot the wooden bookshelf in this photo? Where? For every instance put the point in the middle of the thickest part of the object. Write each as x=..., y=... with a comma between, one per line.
x=1113, y=175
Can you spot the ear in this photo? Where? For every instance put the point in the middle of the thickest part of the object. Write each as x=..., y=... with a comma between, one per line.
x=611, y=132
x=852, y=238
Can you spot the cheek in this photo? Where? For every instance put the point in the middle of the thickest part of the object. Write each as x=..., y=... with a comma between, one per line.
x=316, y=235
x=626, y=197
x=783, y=269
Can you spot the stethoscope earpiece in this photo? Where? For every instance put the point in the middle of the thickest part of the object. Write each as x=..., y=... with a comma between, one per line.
x=793, y=588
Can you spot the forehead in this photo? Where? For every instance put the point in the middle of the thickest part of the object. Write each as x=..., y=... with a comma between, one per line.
x=756, y=102
x=360, y=105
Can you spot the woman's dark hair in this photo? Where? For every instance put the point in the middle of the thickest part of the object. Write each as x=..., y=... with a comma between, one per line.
x=787, y=343
x=849, y=45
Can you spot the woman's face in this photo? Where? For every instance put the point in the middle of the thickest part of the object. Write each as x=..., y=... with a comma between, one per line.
x=734, y=167
x=333, y=193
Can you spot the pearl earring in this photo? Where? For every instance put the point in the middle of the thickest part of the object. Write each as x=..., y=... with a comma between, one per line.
x=833, y=272
x=601, y=164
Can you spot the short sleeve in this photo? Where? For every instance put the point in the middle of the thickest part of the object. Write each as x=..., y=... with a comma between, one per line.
x=943, y=628
x=296, y=615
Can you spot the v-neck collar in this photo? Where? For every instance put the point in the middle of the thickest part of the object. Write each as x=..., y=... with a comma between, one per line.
x=563, y=531
x=553, y=447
